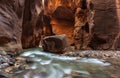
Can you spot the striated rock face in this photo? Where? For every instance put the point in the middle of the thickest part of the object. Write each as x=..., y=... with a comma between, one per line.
x=104, y=14
x=10, y=29
x=21, y=24
x=83, y=24
x=32, y=23
x=61, y=13
x=116, y=44
x=107, y=24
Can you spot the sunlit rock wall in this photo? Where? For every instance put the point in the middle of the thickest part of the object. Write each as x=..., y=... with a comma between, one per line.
x=61, y=13
x=106, y=21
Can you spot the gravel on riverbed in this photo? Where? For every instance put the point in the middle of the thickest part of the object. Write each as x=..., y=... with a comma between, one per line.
x=112, y=57
x=94, y=54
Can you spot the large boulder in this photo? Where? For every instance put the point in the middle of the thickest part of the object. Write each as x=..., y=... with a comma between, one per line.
x=55, y=44
x=10, y=28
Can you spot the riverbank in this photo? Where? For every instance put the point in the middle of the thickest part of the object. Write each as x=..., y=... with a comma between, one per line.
x=110, y=56
x=93, y=54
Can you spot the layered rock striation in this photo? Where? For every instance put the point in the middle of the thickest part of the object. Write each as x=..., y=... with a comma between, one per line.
x=10, y=28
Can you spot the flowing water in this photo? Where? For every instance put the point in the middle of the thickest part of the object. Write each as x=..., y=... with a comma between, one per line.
x=47, y=65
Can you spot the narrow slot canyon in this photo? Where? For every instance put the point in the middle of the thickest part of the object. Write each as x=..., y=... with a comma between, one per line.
x=59, y=38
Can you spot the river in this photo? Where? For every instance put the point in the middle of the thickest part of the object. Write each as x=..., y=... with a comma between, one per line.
x=48, y=65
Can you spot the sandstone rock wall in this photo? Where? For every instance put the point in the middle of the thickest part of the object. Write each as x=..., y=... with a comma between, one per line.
x=32, y=25
x=106, y=22
x=20, y=24
x=10, y=28
x=61, y=13
x=23, y=22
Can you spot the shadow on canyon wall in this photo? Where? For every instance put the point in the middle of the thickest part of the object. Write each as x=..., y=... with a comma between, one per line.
x=107, y=25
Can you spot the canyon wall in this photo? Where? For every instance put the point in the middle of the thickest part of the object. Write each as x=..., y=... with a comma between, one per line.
x=103, y=34
x=61, y=13
x=73, y=18
x=23, y=23
x=10, y=28
x=106, y=24
x=20, y=24
x=32, y=25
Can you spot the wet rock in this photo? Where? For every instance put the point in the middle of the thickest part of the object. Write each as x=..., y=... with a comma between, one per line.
x=11, y=63
x=2, y=59
x=24, y=60
x=3, y=53
x=6, y=60
x=55, y=44
x=29, y=60
x=79, y=74
x=18, y=69
x=18, y=66
x=37, y=74
x=4, y=75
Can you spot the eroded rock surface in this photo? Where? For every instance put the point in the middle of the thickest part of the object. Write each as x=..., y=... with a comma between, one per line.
x=83, y=24
x=99, y=29
x=10, y=29
x=61, y=13
x=107, y=24
x=32, y=23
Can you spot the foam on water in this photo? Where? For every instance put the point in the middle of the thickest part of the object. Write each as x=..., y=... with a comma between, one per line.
x=60, y=66
x=64, y=58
